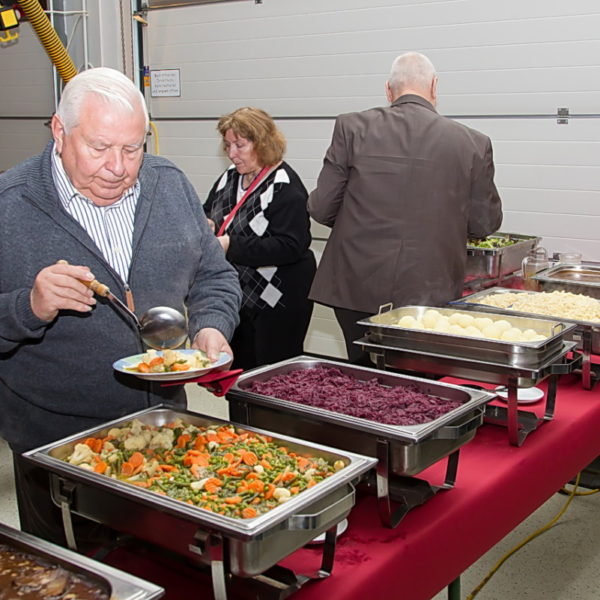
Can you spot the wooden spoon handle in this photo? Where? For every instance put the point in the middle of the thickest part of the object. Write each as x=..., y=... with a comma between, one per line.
x=95, y=285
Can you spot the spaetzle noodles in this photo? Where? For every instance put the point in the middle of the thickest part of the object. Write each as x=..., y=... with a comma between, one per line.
x=558, y=303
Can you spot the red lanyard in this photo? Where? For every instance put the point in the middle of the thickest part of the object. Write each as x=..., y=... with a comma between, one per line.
x=237, y=207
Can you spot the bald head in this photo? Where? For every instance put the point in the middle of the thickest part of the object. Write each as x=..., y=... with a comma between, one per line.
x=412, y=73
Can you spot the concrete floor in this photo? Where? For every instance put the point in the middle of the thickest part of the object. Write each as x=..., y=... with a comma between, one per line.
x=562, y=564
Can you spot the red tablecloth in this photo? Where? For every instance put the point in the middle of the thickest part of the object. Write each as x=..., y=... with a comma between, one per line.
x=497, y=486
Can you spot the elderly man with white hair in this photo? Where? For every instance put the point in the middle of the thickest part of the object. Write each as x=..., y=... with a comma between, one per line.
x=94, y=205
x=402, y=189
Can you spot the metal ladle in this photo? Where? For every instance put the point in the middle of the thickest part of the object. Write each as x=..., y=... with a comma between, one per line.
x=161, y=327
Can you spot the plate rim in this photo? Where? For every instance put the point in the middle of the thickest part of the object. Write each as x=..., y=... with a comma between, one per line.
x=504, y=397
x=224, y=357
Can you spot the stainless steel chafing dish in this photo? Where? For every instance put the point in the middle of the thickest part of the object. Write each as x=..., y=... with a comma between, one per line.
x=496, y=263
x=513, y=364
x=121, y=586
x=401, y=450
x=383, y=329
x=241, y=547
x=578, y=279
x=586, y=334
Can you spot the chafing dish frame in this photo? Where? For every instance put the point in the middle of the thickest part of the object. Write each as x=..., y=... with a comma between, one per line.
x=585, y=333
x=519, y=423
x=244, y=548
x=122, y=586
x=549, y=279
x=383, y=327
x=401, y=451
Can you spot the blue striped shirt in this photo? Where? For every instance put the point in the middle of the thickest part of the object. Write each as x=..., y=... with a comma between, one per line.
x=111, y=227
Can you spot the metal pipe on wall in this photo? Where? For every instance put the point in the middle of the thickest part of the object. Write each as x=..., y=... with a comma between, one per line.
x=49, y=38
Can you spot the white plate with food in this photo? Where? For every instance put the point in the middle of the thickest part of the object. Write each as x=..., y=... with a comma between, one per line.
x=169, y=365
x=524, y=395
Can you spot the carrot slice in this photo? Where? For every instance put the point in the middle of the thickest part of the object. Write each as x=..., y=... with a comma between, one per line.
x=233, y=500
x=249, y=458
x=94, y=443
x=127, y=468
x=136, y=459
x=156, y=361
x=256, y=485
x=212, y=484
x=270, y=491
x=100, y=467
x=249, y=512
x=183, y=439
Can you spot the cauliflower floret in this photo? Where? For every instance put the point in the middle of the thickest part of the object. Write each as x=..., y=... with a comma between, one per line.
x=81, y=454
x=136, y=427
x=135, y=442
x=282, y=494
x=162, y=439
x=309, y=474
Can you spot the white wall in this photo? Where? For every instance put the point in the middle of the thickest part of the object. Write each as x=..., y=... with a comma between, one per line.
x=505, y=68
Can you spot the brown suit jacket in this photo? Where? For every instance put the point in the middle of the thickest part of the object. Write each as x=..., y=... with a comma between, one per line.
x=402, y=188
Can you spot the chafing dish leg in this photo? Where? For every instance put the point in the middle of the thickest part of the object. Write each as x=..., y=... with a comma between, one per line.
x=212, y=545
x=63, y=493
x=451, y=470
x=586, y=365
x=512, y=389
x=550, y=398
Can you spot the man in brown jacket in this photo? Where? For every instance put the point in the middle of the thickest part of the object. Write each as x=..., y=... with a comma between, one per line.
x=402, y=189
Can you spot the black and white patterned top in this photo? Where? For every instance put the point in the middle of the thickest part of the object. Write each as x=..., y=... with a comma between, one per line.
x=269, y=236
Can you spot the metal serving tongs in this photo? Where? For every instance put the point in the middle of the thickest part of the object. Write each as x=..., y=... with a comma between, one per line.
x=161, y=327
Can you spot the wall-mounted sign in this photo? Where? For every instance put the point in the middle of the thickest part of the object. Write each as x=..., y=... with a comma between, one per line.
x=165, y=82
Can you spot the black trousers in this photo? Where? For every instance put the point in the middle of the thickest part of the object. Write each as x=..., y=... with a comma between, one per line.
x=270, y=335
x=347, y=320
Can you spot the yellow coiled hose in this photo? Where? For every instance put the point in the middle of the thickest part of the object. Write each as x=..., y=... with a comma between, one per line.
x=49, y=38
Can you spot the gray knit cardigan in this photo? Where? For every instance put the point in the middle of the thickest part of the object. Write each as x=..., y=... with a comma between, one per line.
x=57, y=378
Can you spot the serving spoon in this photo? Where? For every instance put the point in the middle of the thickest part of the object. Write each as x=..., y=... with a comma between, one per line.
x=160, y=327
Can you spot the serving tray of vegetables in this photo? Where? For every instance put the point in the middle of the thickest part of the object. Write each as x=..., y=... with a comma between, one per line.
x=498, y=254
x=170, y=476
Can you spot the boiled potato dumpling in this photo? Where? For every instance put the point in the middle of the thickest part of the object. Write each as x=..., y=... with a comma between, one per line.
x=492, y=331
x=443, y=325
x=430, y=318
x=482, y=322
x=455, y=329
x=443, y=322
x=503, y=325
x=407, y=321
x=512, y=334
x=453, y=318
x=465, y=320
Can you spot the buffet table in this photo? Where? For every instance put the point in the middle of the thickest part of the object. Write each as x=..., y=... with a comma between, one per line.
x=498, y=485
